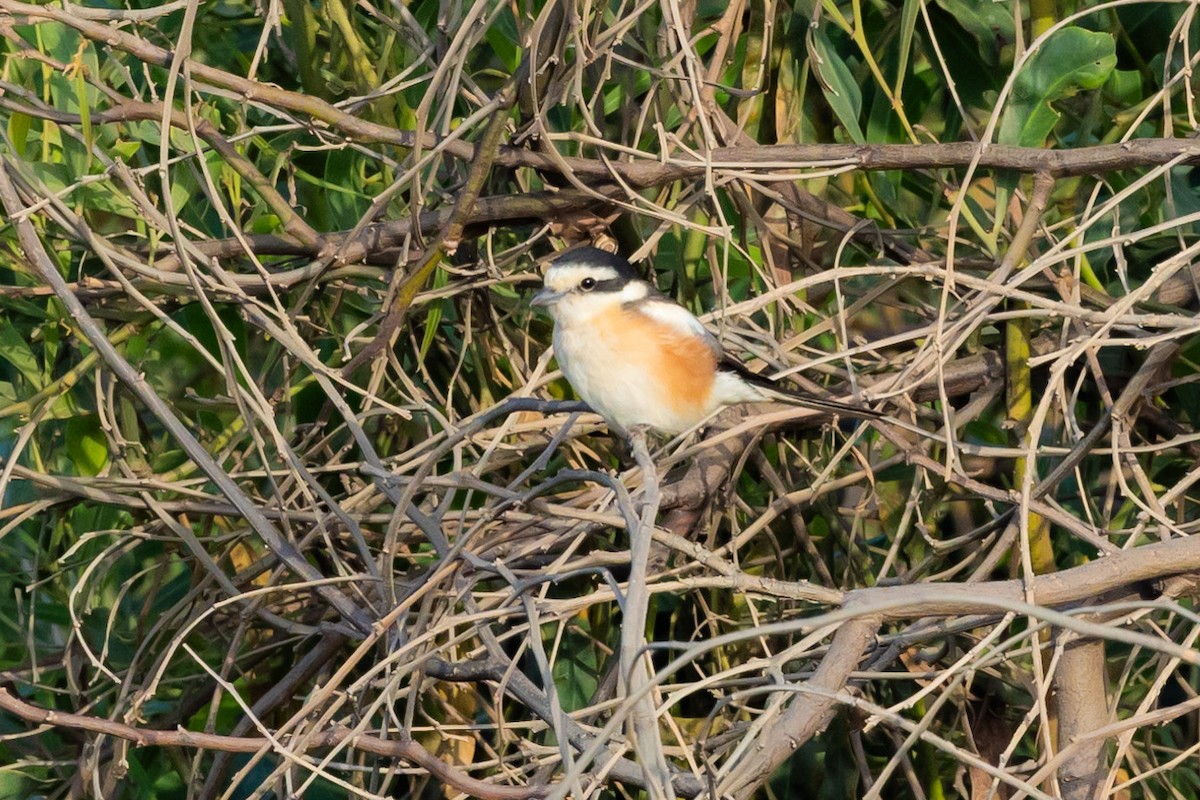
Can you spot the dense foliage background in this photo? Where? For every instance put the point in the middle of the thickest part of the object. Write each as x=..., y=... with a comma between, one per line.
x=295, y=504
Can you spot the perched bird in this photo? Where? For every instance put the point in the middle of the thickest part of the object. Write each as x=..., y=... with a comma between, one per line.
x=640, y=359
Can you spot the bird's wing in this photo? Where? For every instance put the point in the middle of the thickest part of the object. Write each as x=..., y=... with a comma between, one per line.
x=679, y=319
x=674, y=316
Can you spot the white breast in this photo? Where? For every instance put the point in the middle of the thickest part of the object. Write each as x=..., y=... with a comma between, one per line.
x=615, y=384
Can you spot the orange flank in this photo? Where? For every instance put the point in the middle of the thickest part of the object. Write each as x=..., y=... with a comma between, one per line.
x=683, y=363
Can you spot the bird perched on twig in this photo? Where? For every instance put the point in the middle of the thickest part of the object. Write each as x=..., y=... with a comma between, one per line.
x=638, y=358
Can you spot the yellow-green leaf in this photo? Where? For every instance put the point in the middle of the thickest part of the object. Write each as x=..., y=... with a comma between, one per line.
x=18, y=130
x=85, y=117
x=86, y=445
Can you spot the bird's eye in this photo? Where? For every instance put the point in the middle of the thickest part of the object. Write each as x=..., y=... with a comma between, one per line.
x=587, y=284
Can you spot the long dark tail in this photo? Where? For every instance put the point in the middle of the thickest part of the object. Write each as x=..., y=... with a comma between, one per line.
x=775, y=392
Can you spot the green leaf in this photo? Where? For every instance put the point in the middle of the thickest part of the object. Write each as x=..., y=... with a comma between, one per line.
x=434, y=318
x=1124, y=88
x=504, y=39
x=181, y=191
x=989, y=24
x=87, y=445
x=841, y=90
x=16, y=350
x=1183, y=191
x=18, y=130
x=85, y=118
x=622, y=93
x=1071, y=61
x=101, y=197
x=15, y=784
x=753, y=53
x=126, y=149
x=265, y=223
x=908, y=27
x=64, y=406
x=575, y=673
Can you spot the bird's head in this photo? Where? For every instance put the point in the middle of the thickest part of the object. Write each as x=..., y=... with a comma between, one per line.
x=585, y=281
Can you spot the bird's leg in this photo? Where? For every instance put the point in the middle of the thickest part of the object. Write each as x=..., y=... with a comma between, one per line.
x=623, y=445
x=626, y=437
x=642, y=431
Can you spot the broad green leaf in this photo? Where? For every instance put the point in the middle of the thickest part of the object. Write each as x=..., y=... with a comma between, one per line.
x=1124, y=88
x=64, y=406
x=841, y=90
x=14, y=783
x=103, y=197
x=125, y=148
x=16, y=350
x=619, y=96
x=264, y=223
x=504, y=39
x=58, y=40
x=406, y=116
x=180, y=194
x=1183, y=190
x=56, y=177
x=51, y=336
x=86, y=445
x=328, y=185
x=989, y=24
x=1071, y=61
x=575, y=672
x=21, y=306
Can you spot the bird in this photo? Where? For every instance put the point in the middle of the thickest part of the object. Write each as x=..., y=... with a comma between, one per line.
x=641, y=360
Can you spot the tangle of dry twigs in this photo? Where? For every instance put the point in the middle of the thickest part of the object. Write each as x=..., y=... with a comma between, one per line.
x=295, y=504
